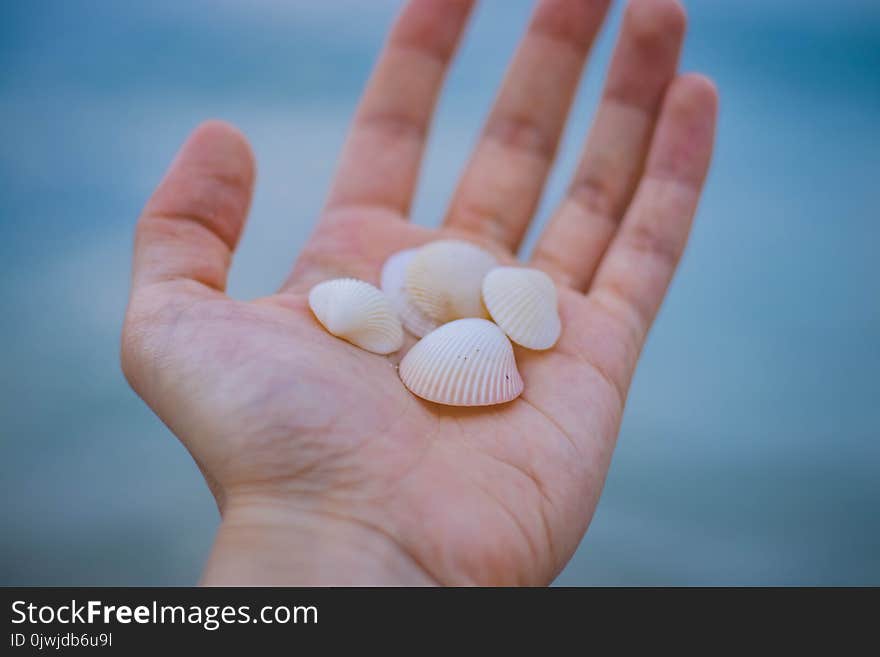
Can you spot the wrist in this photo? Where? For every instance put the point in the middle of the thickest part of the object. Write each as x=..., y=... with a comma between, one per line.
x=269, y=543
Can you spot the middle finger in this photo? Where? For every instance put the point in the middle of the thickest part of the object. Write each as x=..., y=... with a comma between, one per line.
x=501, y=185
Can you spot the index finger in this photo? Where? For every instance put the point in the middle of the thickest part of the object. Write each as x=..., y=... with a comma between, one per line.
x=381, y=157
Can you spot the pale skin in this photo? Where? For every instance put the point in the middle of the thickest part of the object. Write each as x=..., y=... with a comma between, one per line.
x=326, y=470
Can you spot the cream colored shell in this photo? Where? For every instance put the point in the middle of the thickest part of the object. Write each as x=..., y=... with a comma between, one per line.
x=522, y=302
x=358, y=312
x=394, y=287
x=467, y=362
x=444, y=279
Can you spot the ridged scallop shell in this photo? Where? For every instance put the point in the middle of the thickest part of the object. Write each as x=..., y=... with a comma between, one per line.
x=444, y=280
x=467, y=362
x=393, y=284
x=358, y=312
x=523, y=303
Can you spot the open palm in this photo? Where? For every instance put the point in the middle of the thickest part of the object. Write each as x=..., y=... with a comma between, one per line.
x=325, y=468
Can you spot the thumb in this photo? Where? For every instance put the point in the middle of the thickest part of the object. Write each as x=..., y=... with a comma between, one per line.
x=185, y=237
x=192, y=223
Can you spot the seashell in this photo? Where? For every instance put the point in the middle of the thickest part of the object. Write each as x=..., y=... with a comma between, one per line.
x=358, y=312
x=444, y=280
x=522, y=302
x=393, y=285
x=467, y=362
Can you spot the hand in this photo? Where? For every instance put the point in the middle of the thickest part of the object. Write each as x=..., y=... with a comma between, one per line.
x=326, y=470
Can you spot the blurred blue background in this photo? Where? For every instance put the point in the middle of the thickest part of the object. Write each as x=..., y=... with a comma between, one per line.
x=750, y=450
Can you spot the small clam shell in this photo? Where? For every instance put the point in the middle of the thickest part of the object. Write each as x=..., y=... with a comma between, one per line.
x=522, y=302
x=394, y=287
x=444, y=280
x=467, y=362
x=358, y=312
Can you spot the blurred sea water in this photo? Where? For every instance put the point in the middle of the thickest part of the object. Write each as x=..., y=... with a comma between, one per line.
x=750, y=449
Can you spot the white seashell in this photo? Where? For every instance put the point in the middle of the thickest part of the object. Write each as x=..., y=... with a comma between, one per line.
x=393, y=285
x=358, y=312
x=444, y=280
x=522, y=302
x=467, y=362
